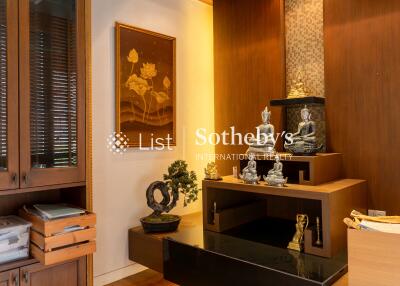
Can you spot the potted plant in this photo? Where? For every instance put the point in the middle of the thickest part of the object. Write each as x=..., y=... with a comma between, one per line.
x=178, y=180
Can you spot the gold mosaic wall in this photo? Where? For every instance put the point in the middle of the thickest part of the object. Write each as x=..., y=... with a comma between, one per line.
x=305, y=44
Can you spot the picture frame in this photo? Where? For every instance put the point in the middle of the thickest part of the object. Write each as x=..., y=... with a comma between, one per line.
x=145, y=87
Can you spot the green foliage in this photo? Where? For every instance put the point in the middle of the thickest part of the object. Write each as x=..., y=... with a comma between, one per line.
x=179, y=179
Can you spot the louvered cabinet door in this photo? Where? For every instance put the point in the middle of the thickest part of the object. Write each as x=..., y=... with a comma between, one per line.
x=9, y=158
x=52, y=93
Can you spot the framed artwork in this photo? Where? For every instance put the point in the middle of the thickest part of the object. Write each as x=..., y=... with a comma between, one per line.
x=145, y=87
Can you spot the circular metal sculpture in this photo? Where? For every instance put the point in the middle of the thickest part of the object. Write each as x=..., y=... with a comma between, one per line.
x=164, y=206
x=157, y=222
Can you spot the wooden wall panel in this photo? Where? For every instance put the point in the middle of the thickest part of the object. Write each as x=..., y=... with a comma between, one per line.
x=362, y=71
x=249, y=67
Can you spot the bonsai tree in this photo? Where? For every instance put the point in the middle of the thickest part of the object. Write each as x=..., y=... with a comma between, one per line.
x=179, y=179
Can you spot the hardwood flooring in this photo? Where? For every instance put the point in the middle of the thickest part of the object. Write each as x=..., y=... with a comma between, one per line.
x=145, y=278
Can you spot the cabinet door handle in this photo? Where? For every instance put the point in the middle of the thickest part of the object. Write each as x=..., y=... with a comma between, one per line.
x=26, y=277
x=16, y=280
x=14, y=178
x=25, y=178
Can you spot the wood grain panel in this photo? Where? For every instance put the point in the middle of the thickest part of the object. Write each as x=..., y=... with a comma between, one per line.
x=249, y=67
x=362, y=70
x=71, y=273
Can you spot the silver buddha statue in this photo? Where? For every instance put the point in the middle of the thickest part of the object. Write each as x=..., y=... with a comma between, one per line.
x=264, y=142
x=304, y=141
x=249, y=173
x=275, y=175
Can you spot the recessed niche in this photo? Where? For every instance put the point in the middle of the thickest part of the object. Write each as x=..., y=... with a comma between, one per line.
x=304, y=36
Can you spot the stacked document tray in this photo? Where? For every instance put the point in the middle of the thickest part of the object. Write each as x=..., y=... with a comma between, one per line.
x=14, y=238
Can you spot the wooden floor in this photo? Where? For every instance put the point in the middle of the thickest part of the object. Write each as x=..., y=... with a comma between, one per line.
x=145, y=278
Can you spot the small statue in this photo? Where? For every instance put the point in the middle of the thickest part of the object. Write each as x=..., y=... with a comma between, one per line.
x=297, y=242
x=275, y=175
x=304, y=141
x=319, y=241
x=298, y=88
x=211, y=172
x=265, y=142
x=249, y=173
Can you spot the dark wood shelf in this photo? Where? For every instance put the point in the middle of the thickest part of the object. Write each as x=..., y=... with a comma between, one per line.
x=330, y=201
x=17, y=264
x=300, y=100
x=41, y=189
x=147, y=248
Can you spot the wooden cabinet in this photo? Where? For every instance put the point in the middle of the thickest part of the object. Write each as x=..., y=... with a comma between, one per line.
x=72, y=273
x=42, y=93
x=44, y=64
x=44, y=67
x=52, y=92
x=9, y=148
x=9, y=278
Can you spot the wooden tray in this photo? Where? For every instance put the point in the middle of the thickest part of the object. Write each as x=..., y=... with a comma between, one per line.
x=63, y=254
x=51, y=227
x=50, y=245
x=57, y=241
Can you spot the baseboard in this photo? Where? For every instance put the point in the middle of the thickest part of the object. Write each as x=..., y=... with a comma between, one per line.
x=118, y=274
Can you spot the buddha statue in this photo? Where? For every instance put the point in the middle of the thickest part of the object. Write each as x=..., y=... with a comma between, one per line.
x=211, y=172
x=275, y=175
x=304, y=141
x=249, y=173
x=298, y=88
x=265, y=141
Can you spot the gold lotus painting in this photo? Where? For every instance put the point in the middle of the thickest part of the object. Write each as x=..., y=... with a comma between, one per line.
x=145, y=86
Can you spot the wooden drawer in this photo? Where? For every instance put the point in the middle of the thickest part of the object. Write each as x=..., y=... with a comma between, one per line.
x=57, y=241
x=50, y=245
x=64, y=253
x=52, y=227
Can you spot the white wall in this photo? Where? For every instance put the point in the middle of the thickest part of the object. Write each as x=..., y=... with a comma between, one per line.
x=120, y=182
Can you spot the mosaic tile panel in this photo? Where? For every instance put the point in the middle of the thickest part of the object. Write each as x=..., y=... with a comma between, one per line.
x=305, y=44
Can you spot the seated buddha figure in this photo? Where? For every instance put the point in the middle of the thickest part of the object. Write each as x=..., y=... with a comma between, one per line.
x=275, y=175
x=264, y=142
x=304, y=141
x=277, y=169
x=249, y=173
x=211, y=172
x=298, y=88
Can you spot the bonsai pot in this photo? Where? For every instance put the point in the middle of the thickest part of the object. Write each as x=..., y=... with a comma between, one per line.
x=160, y=223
